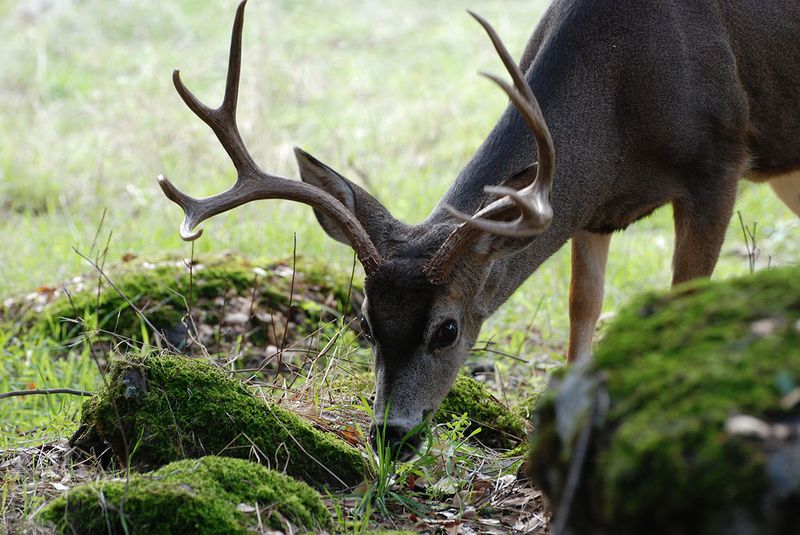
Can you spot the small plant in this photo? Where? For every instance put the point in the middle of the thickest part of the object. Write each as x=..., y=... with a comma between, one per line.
x=440, y=468
x=384, y=467
x=750, y=243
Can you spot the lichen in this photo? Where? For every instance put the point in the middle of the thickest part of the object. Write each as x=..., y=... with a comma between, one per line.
x=206, y=496
x=674, y=368
x=161, y=408
x=500, y=427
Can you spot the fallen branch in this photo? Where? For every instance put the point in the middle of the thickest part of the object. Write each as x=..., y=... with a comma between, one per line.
x=45, y=392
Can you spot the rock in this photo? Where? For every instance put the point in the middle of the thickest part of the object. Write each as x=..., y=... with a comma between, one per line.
x=230, y=298
x=160, y=408
x=500, y=428
x=680, y=424
x=206, y=496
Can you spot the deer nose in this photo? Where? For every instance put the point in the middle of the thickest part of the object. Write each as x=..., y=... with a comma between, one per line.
x=388, y=439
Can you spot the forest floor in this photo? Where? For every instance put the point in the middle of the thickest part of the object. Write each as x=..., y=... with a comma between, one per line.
x=285, y=336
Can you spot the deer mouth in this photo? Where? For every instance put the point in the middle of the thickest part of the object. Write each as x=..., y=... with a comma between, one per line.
x=396, y=443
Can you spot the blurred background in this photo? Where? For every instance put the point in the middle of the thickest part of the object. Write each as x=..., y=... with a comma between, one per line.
x=384, y=92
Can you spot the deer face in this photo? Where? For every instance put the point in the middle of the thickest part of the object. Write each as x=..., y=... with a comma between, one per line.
x=421, y=323
x=420, y=335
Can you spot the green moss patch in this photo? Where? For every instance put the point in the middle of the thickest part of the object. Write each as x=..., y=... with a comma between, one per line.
x=233, y=302
x=158, y=408
x=211, y=495
x=664, y=400
x=500, y=428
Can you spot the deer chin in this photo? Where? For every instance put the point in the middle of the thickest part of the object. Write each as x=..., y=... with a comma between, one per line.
x=403, y=440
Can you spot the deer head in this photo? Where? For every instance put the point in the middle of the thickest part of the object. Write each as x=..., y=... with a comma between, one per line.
x=424, y=283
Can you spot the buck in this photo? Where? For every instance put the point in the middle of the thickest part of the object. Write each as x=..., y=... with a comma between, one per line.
x=647, y=103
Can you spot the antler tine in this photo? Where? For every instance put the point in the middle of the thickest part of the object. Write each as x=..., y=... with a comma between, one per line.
x=527, y=106
x=252, y=183
x=222, y=120
x=530, y=204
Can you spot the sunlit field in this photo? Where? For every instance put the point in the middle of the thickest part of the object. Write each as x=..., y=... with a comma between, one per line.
x=384, y=92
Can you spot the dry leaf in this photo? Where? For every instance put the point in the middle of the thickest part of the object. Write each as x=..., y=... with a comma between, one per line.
x=245, y=508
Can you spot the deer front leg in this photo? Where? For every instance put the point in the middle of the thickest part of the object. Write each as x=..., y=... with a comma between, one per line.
x=589, y=255
x=699, y=232
x=787, y=188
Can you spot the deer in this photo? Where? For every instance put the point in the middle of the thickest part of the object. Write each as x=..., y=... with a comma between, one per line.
x=647, y=104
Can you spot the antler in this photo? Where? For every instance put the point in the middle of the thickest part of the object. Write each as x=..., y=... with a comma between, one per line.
x=530, y=205
x=252, y=183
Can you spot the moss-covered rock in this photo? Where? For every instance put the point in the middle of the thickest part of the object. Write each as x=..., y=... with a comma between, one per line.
x=500, y=427
x=687, y=416
x=206, y=496
x=225, y=295
x=161, y=408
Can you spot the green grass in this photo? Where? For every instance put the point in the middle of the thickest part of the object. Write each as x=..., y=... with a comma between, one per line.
x=394, y=97
x=29, y=364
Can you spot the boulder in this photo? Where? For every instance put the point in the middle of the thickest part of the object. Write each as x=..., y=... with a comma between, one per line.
x=159, y=408
x=206, y=496
x=500, y=427
x=686, y=421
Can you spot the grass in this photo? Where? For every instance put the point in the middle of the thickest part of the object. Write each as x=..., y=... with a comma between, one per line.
x=386, y=93
x=95, y=119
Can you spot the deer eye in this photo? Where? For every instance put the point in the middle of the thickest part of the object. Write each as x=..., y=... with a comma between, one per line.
x=367, y=330
x=446, y=333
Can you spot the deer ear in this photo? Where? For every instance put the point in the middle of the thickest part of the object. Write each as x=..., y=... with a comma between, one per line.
x=372, y=215
x=492, y=246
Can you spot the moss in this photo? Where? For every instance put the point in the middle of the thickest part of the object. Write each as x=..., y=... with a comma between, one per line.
x=675, y=367
x=211, y=495
x=162, y=292
x=171, y=407
x=500, y=428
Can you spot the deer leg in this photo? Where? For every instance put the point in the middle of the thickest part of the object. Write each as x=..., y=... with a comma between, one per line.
x=699, y=232
x=589, y=255
x=787, y=188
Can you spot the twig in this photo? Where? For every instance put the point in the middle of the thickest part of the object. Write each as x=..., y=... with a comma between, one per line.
x=190, y=323
x=288, y=308
x=99, y=229
x=499, y=378
x=487, y=349
x=749, y=242
x=222, y=313
x=252, y=307
x=97, y=258
x=529, y=328
x=45, y=392
x=349, y=287
x=127, y=300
